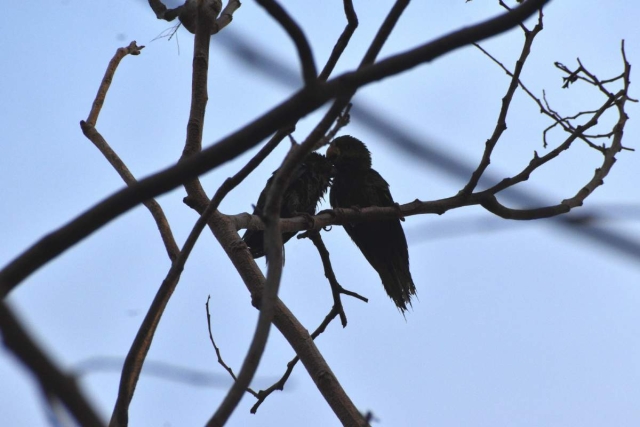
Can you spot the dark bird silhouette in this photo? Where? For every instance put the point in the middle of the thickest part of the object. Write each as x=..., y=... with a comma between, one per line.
x=382, y=242
x=308, y=185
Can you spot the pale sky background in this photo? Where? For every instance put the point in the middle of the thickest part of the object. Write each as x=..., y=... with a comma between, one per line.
x=517, y=323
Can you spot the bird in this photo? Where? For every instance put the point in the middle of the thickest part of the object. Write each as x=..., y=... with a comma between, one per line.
x=382, y=242
x=307, y=187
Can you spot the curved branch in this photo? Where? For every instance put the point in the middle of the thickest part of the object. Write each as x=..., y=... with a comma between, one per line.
x=92, y=134
x=307, y=63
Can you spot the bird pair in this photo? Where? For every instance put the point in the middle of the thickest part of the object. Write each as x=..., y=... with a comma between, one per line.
x=355, y=184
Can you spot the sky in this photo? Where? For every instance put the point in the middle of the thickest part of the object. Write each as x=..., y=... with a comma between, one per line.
x=517, y=323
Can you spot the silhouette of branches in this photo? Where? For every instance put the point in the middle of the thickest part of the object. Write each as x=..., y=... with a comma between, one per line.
x=207, y=17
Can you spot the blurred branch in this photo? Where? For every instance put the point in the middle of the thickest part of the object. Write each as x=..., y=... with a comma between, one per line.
x=154, y=368
x=50, y=377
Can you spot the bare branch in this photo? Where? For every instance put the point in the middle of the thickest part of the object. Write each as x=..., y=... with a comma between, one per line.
x=501, y=124
x=89, y=130
x=217, y=350
x=336, y=288
x=132, y=49
x=226, y=16
x=279, y=385
x=142, y=342
x=309, y=72
x=162, y=12
x=144, y=337
x=343, y=40
x=383, y=32
x=151, y=204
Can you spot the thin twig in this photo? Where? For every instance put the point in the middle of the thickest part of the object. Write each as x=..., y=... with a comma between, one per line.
x=501, y=123
x=132, y=49
x=279, y=385
x=221, y=362
x=153, y=206
x=336, y=288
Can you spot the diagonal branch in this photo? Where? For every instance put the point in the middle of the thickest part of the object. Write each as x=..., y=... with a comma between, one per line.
x=51, y=378
x=343, y=40
x=336, y=288
x=501, y=124
x=279, y=385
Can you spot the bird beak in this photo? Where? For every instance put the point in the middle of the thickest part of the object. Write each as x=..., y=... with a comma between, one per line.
x=332, y=152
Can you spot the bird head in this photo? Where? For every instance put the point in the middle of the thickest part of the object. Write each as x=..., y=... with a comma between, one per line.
x=347, y=152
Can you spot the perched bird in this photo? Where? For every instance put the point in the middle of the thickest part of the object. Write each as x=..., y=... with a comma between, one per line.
x=382, y=242
x=308, y=185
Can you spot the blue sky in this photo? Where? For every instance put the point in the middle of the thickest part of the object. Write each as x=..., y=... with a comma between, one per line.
x=517, y=323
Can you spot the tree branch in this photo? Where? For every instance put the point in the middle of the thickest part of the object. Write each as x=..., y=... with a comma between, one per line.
x=501, y=124
x=307, y=62
x=343, y=40
x=51, y=379
x=89, y=130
